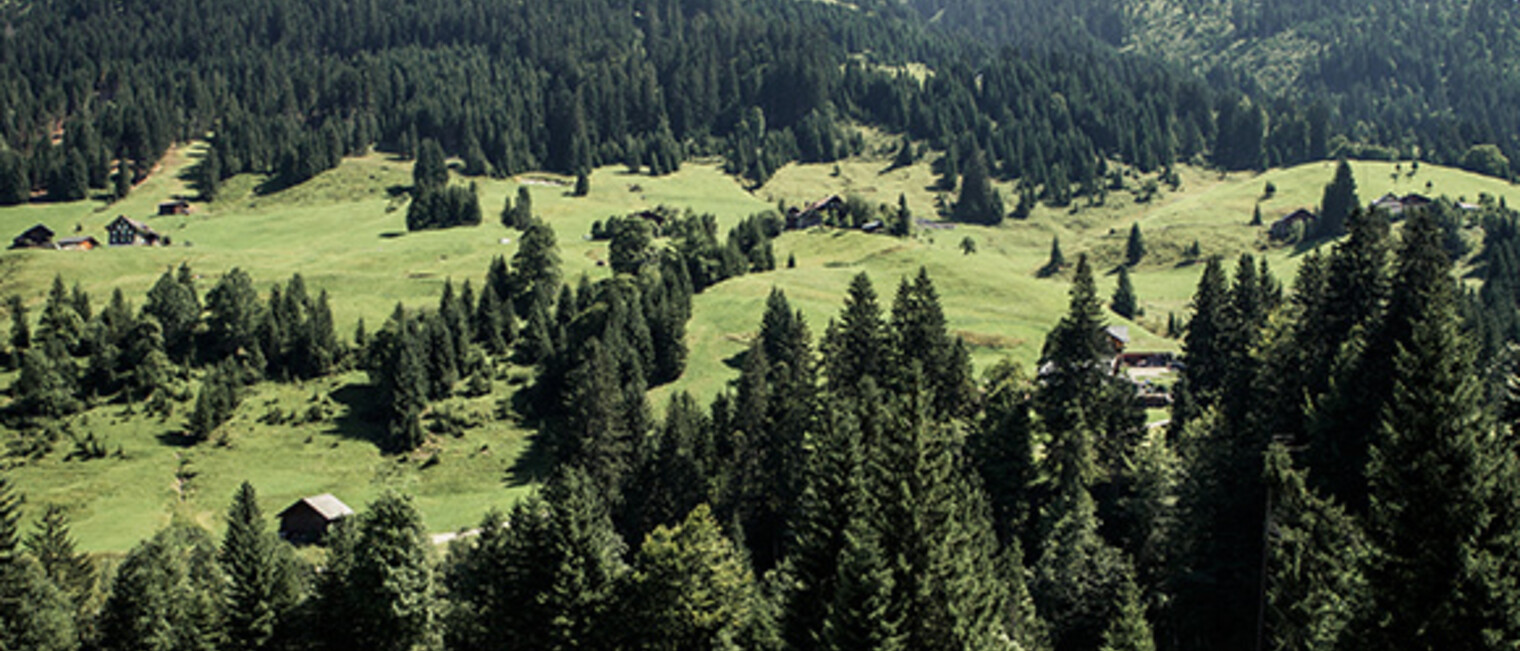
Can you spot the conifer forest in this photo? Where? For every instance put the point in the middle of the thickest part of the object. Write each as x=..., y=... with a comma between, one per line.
x=1335, y=466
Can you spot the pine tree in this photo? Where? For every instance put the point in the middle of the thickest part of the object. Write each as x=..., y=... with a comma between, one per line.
x=122, y=180
x=1129, y=631
x=1056, y=262
x=53, y=547
x=861, y=615
x=537, y=277
x=429, y=172
x=978, y=202
x=1337, y=203
x=1078, y=580
x=21, y=327
x=1134, y=248
x=1256, y=215
x=1443, y=487
x=259, y=591
x=689, y=588
x=1204, y=346
x=1316, y=555
x=831, y=501
x=167, y=594
x=522, y=213
x=379, y=587
x=60, y=321
x=857, y=346
x=33, y=613
x=15, y=187
x=582, y=184
x=1124, y=302
x=1073, y=354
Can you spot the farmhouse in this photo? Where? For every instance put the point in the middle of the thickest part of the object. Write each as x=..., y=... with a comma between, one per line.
x=813, y=214
x=174, y=207
x=1282, y=229
x=85, y=243
x=130, y=232
x=36, y=237
x=307, y=520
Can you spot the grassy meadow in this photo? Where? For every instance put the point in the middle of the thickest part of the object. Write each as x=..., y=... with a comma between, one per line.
x=345, y=233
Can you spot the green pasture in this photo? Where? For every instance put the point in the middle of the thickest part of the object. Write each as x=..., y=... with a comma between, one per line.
x=344, y=231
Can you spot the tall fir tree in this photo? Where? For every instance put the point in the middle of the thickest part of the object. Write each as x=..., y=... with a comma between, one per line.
x=1124, y=302
x=1337, y=203
x=378, y=591
x=1134, y=247
x=260, y=589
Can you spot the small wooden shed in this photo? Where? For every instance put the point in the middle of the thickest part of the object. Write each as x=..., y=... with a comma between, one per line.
x=84, y=243
x=174, y=207
x=307, y=520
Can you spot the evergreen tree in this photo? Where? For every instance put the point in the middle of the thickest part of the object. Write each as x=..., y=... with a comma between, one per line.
x=46, y=384
x=1129, y=631
x=857, y=346
x=378, y=591
x=1071, y=388
x=1203, y=346
x=546, y=581
x=978, y=202
x=430, y=172
x=1443, y=487
x=1056, y=262
x=1124, y=302
x=122, y=180
x=1134, y=248
x=21, y=326
x=166, y=595
x=537, y=277
x=60, y=321
x=1004, y=449
x=53, y=547
x=582, y=184
x=259, y=589
x=522, y=213
x=1316, y=555
x=15, y=187
x=861, y=615
x=689, y=587
x=177, y=311
x=33, y=613
x=1337, y=203
x=1078, y=580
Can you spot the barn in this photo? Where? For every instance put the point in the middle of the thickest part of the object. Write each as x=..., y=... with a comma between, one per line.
x=84, y=243
x=307, y=520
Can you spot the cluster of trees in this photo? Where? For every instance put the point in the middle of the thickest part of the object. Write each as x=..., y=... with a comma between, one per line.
x=77, y=357
x=1337, y=474
x=436, y=204
x=287, y=91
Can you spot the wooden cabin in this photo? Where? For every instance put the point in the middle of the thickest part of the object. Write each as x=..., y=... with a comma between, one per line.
x=124, y=231
x=174, y=207
x=36, y=237
x=1283, y=228
x=307, y=521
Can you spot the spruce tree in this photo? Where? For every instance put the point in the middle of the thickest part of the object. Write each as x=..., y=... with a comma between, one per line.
x=122, y=180
x=1316, y=559
x=34, y=614
x=689, y=588
x=1124, y=302
x=1056, y=262
x=167, y=594
x=1004, y=449
x=1443, y=490
x=978, y=202
x=53, y=547
x=860, y=616
x=522, y=213
x=1203, y=346
x=832, y=501
x=1337, y=203
x=1129, y=630
x=259, y=591
x=379, y=587
x=582, y=185
x=15, y=187
x=430, y=172
x=856, y=346
x=1134, y=248
x=21, y=326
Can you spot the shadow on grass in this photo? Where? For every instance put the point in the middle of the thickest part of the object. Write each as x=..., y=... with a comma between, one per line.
x=736, y=360
x=361, y=419
x=391, y=235
x=536, y=462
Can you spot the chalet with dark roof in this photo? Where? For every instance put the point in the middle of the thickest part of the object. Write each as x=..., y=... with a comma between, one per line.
x=124, y=231
x=174, y=207
x=1283, y=228
x=813, y=214
x=308, y=520
x=36, y=237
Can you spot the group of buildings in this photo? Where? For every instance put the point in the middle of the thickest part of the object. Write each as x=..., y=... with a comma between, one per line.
x=122, y=231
